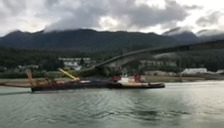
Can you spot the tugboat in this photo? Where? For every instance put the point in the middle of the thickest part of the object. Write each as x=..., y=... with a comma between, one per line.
x=136, y=83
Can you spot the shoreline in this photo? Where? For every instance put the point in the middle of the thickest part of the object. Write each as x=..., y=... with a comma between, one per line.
x=24, y=82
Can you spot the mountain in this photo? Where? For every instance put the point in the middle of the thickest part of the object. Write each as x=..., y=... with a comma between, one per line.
x=85, y=40
x=210, y=34
x=182, y=35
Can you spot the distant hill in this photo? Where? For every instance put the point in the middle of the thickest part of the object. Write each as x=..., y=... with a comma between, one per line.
x=210, y=34
x=85, y=40
x=182, y=35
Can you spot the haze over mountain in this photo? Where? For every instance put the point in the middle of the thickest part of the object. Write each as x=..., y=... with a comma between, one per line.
x=210, y=34
x=85, y=40
x=182, y=35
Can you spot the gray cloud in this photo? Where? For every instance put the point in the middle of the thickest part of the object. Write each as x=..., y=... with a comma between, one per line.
x=87, y=14
x=14, y=6
x=193, y=7
x=10, y=10
x=144, y=16
x=210, y=19
x=75, y=14
x=72, y=14
x=169, y=25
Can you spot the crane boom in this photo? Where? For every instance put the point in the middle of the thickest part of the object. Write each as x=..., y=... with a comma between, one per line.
x=69, y=75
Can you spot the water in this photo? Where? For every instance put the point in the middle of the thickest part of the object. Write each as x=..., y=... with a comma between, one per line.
x=189, y=105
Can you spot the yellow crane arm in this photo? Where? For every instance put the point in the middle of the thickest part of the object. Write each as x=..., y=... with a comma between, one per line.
x=69, y=75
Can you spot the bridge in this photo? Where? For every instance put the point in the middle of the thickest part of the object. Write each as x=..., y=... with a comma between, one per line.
x=119, y=61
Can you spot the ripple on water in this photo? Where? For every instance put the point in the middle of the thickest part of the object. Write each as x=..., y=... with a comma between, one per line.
x=174, y=106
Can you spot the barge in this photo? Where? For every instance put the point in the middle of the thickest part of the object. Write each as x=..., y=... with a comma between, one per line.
x=52, y=85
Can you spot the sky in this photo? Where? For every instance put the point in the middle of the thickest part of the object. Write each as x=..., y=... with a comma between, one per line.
x=110, y=15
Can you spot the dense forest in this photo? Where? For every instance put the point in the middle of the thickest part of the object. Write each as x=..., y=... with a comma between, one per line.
x=48, y=59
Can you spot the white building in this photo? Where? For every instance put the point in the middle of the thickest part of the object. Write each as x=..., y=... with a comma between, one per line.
x=193, y=71
x=159, y=73
x=157, y=63
x=74, y=63
x=220, y=71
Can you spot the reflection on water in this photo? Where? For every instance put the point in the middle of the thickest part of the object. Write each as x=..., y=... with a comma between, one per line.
x=187, y=105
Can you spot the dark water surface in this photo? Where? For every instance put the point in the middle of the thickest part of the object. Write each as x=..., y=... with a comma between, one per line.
x=189, y=105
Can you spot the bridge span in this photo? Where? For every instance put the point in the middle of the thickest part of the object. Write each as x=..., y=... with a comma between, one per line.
x=120, y=60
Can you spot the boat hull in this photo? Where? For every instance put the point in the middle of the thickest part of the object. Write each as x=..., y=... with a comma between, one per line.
x=93, y=84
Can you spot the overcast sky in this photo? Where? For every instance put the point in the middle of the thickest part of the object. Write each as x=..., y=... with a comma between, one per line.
x=129, y=15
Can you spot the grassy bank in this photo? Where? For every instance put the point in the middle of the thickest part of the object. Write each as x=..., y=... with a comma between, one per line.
x=171, y=79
